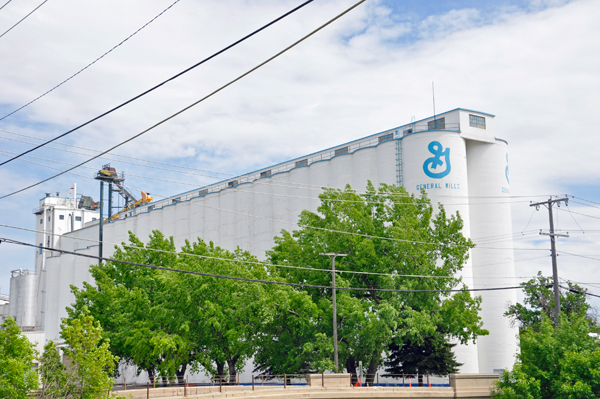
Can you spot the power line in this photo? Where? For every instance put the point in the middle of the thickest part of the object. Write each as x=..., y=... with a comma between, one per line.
x=577, y=255
x=582, y=214
x=77, y=174
x=10, y=241
x=586, y=200
x=116, y=155
x=5, y=4
x=239, y=190
x=188, y=107
x=161, y=84
x=224, y=259
x=578, y=292
x=22, y=19
x=90, y=64
x=304, y=186
x=266, y=264
x=258, y=181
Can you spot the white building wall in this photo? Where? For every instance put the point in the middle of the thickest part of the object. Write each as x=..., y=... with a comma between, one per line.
x=252, y=213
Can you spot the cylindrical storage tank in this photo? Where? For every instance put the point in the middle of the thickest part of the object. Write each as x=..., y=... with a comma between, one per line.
x=436, y=161
x=494, y=266
x=22, y=299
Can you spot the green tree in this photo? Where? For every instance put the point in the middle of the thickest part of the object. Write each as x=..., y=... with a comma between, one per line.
x=90, y=364
x=294, y=319
x=433, y=356
x=539, y=302
x=556, y=363
x=53, y=374
x=132, y=303
x=224, y=315
x=392, y=235
x=17, y=376
x=165, y=322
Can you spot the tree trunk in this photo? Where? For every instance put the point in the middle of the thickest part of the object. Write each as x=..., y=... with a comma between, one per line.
x=220, y=371
x=371, y=371
x=420, y=379
x=232, y=373
x=351, y=368
x=181, y=374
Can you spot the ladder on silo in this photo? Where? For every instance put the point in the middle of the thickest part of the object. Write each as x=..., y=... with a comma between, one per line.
x=399, y=171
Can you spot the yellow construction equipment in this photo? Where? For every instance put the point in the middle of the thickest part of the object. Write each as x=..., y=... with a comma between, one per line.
x=145, y=199
x=109, y=175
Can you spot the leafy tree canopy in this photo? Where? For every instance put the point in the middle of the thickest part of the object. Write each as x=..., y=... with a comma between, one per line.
x=17, y=376
x=393, y=235
x=164, y=321
x=90, y=363
x=558, y=363
x=539, y=302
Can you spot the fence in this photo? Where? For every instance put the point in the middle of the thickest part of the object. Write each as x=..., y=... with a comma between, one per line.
x=399, y=380
x=220, y=383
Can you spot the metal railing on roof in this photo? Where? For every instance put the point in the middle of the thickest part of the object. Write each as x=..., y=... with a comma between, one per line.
x=328, y=154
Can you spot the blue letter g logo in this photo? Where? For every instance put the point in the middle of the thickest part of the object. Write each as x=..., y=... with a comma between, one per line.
x=432, y=163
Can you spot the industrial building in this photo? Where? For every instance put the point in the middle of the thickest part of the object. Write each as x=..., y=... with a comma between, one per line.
x=454, y=156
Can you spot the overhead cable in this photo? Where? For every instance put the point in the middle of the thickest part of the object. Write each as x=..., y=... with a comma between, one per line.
x=113, y=154
x=305, y=186
x=90, y=64
x=5, y=4
x=258, y=262
x=258, y=181
x=224, y=259
x=294, y=224
x=238, y=189
x=186, y=108
x=10, y=241
x=577, y=291
x=159, y=85
x=22, y=19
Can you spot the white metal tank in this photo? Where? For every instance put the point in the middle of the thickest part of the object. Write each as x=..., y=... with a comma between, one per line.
x=491, y=216
x=22, y=299
x=436, y=161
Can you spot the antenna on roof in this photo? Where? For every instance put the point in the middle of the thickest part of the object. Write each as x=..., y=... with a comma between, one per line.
x=433, y=93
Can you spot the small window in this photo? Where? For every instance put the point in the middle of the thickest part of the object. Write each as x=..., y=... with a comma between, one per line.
x=303, y=162
x=477, y=121
x=41, y=221
x=202, y=193
x=174, y=201
x=386, y=137
x=61, y=217
x=150, y=207
x=266, y=173
x=41, y=249
x=48, y=218
x=232, y=183
x=340, y=151
x=407, y=131
x=94, y=219
x=78, y=218
x=436, y=124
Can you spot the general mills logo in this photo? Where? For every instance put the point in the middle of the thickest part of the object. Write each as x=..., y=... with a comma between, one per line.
x=506, y=170
x=431, y=164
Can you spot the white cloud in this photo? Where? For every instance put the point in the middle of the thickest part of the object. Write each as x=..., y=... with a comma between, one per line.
x=536, y=71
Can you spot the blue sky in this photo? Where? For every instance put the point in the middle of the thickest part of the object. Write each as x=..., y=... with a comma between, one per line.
x=531, y=63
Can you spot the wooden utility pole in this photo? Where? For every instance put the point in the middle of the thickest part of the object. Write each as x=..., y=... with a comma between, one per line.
x=333, y=299
x=548, y=204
